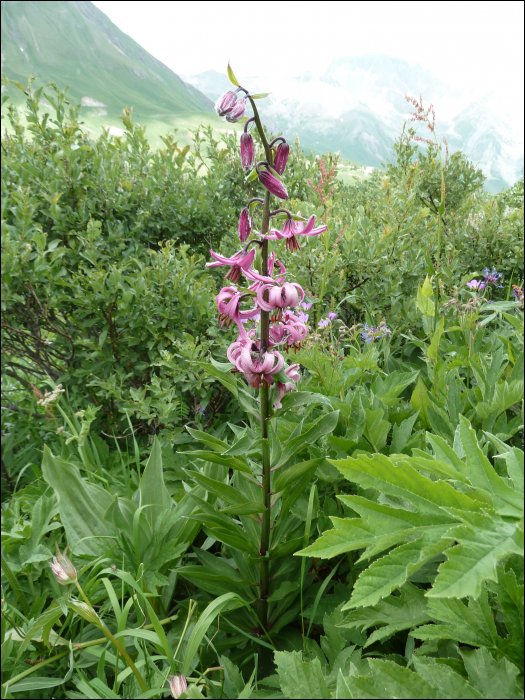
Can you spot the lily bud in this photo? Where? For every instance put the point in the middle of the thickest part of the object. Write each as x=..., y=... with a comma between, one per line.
x=281, y=157
x=178, y=685
x=247, y=151
x=236, y=112
x=63, y=569
x=245, y=225
x=225, y=103
x=272, y=184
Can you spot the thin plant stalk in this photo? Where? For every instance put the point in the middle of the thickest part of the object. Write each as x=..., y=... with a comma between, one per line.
x=117, y=644
x=62, y=654
x=265, y=406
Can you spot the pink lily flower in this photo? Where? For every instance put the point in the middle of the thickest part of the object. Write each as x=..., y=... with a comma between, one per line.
x=254, y=276
x=281, y=157
x=272, y=184
x=256, y=371
x=290, y=329
x=245, y=225
x=293, y=374
x=236, y=112
x=229, y=305
x=247, y=151
x=240, y=262
x=225, y=103
x=292, y=228
x=279, y=297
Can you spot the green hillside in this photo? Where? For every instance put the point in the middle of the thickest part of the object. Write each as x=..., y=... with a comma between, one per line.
x=75, y=44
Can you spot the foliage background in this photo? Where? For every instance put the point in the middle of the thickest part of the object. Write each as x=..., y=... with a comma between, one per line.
x=104, y=292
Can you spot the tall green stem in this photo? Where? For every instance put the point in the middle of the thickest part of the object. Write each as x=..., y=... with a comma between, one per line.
x=117, y=644
x=265, y=408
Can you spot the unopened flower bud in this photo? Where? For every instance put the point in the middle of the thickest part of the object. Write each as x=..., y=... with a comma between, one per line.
x=63, y=569
x=247, y=151
x=178, y=685
x=85, y=611
x=236, y=112
x=225, y=103
x=245, y=225
x=281, y=157
x=272, y=184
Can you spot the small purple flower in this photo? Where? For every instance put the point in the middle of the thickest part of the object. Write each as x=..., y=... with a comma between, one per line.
x=247, y=151
x=236, y=112
x=492, y=277
x=331, y=315
x=370, y=333
x=306, y=305
x=225, y=103
x=476, y=284
x=272, y=184
x=281, y=157
x=324, y=322
x=303, y=317
x=245, y=225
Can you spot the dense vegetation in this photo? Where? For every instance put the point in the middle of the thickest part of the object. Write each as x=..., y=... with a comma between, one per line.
x=397, y=549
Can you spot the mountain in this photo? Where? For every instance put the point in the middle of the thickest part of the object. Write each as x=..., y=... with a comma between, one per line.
x=358, y=106
x=74, y=43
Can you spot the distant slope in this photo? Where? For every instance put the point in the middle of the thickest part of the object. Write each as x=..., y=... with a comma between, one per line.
x=358, y=107
x=74, y=43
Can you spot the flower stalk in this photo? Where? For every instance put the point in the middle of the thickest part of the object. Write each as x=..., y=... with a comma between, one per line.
x=265, y=406
x=255, y=354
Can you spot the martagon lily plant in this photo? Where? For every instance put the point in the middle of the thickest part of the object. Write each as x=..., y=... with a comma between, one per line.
x=267, y=300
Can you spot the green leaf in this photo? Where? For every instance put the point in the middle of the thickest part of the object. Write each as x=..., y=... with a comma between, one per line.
x=391, y=614
x=420, y=400
x=392, y=570
x=433, y=349
x=260, y=95
x=288, y=476
x=376, y=429
x=152, y=491
x=441, y=676
x=300, y=398
x=231, y=76
x=325, y=424
x=226, y=379
x=224, y=491
x=213, y=442
x=481, y=473
x=82, y=506
x=494, y=678
x=298, y=678
x=389, y=680
x=230, y=462
x=228, y=600
x=482, y=544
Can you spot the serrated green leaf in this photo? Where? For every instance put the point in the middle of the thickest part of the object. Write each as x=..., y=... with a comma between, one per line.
x=482, y=544
x=494, y=678
x=441, y=676
x=300, y=679
x=391, y=571
x=391, y=614
x=389, y=680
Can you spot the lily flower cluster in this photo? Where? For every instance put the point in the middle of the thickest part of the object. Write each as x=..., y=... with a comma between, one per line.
x=262, y=363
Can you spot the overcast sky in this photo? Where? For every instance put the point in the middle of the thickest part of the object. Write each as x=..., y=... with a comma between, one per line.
x=478, y=45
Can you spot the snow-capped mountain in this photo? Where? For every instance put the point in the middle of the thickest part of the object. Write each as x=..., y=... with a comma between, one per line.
x=358, y=106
